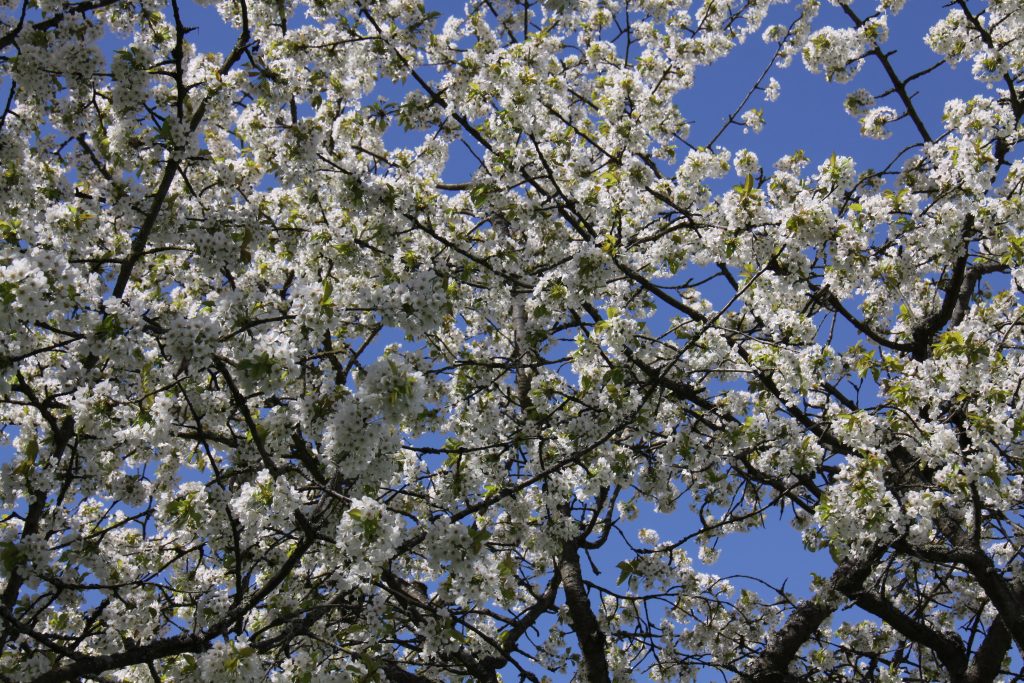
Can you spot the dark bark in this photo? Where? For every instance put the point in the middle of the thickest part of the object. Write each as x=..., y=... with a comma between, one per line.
x=988, y=660
x=1005, y=596
x=948, y=648
x=62, y=436
x=92, y=666
x=772, y=664
x=594, y=667
x=396, y=674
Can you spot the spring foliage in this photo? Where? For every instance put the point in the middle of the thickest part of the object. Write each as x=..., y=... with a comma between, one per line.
x=353, y=351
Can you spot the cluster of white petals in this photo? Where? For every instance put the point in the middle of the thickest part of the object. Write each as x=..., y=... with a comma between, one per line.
x=347, y=340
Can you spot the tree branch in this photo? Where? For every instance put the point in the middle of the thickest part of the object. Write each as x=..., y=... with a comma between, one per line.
x=588, y=631
x=772, y=664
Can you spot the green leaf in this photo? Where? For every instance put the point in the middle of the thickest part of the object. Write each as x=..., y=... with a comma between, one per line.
x=184, y=513
x=257, y=368
x=627, y=569
x=609, y=178
x=507, y=566
x=614, y=376
x=369, y=524
x=480, y=193
x=834, y=554
x=190, y=664
x=326, y=302
x=455, y=635
x=109, y=327
x=165, y=130
x=9, y=230
x=10, y=556
x=478, y=537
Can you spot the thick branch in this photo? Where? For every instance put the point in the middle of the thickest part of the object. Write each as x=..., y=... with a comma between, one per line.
x=1005, y=596
x=772, y=664
x=588, y=631
x=948, y=648
x=988, y=660
x=91, y=666
x=10, y=37
x=142, y=236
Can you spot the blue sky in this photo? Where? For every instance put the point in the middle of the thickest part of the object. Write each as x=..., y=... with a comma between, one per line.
x=809, y=116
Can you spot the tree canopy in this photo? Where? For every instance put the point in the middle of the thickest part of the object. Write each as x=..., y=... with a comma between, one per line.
x=388, y=344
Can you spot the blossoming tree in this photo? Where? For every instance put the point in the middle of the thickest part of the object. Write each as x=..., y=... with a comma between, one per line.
x=287, y=395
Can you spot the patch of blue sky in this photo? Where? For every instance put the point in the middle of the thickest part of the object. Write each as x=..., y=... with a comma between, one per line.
x=809, y=115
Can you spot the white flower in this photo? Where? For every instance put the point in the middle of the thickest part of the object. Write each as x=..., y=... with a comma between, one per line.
x=753, y=120
x=648, y=536
x=873, y=123
x=746, y=163
x=835, y=52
